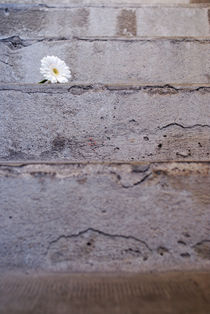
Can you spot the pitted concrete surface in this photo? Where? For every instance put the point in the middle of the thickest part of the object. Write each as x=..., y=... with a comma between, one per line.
x=41, y=22
x=105, y=217
x=139, y=91
x=108, y=2
x=104, y=122
x=114, y=60
x=168, y=293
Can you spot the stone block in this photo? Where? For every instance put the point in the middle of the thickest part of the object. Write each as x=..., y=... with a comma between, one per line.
x=113, y=61
x=104, y=216
x=104, y=122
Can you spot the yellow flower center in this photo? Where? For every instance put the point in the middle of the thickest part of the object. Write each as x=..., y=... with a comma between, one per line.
x=55, y=71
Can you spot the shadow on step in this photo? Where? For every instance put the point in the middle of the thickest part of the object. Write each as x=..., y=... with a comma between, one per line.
x=126, y=293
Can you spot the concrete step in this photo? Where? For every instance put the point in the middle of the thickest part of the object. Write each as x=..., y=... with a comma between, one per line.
x=104, y=122
x=96, y=21
x=58, y=3
x=166, y=293
x=113, y=60
x=104, y=216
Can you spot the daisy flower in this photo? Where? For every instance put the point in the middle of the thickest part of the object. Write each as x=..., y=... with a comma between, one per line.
x=54, y=70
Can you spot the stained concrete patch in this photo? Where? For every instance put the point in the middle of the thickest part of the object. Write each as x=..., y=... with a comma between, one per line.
x=80, y=19
x=203, y=249
x=37, y=22
x=198, y=187
x=30, y=20
x=126, y=23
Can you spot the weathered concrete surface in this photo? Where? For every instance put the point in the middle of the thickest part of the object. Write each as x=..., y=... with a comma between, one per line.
x=117, y=60
x=105, y=217
x=166, y=293
x=107, y=2
x=41, y=22
x=104, y=122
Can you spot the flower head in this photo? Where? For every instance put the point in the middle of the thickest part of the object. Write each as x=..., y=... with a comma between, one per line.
x=54, y=70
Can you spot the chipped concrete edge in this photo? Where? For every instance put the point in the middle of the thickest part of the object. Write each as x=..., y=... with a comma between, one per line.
x=21, y=163
x=94, y=4
x=28, y=87
x=64, y=168
x=25, y=42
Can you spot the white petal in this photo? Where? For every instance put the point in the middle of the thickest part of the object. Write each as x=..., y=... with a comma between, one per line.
x=48, y=63
x=62, y=79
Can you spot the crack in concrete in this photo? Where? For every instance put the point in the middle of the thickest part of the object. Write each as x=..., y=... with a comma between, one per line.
x=105, y=234
x=143, y=179
x=184, y=127
x=160, y=249
x=135, y=169
x=57, y=89
x=17, y=42
x=6, y=171
x=173, y=40
x=136, y=183
x=7, y=63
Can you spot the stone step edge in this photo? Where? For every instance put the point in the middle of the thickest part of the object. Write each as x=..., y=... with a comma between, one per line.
x=29, y=41
x=176, y=168
x=36, y=87
x=105, y=4
x=23, y=163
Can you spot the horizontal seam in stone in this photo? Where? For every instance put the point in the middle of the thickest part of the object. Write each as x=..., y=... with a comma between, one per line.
x=20, y=163
x=107, y=5
x=28, y=42
x=98, y=87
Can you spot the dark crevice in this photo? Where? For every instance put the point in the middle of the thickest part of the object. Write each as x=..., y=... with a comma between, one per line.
x=16, y=42
x=174, y=40
x=184, y=127
x=77, y=89
x=101, y=233
x=143, y=179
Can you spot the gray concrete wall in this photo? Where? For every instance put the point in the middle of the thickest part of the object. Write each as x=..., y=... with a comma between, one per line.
x=107, y=2
x=131, y=98
x=105, y=217
x=41, y=22
x=99, y=122
x=106, y=60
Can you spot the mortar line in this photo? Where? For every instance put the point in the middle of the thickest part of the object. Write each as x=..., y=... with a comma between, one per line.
x=109, y=5
x=174, y=39
x=21, y=163
x=106, y=86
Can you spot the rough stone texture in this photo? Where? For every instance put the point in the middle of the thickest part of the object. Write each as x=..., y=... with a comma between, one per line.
x=102, y=2
x=108, y=2
x=78, y=122
x=38, y=22
x=105, y=217
x=166, y=293
x=105, y=60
